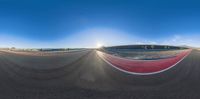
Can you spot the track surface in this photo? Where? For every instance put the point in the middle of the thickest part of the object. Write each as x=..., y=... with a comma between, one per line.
x=84, y=75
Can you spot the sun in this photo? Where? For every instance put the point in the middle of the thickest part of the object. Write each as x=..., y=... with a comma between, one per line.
x=99, y=45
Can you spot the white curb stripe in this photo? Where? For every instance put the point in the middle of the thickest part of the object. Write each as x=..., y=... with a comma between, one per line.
x=135, y=73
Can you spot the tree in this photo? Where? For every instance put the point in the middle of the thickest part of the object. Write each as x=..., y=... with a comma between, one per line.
x=145, y=47
x=152, y=46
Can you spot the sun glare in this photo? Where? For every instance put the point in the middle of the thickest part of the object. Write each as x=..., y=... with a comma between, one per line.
x=99, y=45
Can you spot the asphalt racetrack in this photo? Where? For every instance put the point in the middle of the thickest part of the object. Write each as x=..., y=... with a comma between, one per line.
x=84, y=75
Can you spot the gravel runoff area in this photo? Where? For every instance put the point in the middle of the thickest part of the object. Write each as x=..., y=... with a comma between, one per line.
x=42, y=53
x=89, y=77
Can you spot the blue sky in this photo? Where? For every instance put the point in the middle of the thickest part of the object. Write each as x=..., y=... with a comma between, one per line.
x=84, y=23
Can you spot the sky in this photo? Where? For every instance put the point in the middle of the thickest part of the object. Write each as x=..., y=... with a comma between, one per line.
x=87, y=23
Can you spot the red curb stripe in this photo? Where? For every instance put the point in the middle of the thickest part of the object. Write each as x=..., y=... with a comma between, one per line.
x=143, y=66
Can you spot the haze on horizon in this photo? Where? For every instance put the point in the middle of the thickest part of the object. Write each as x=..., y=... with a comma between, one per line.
x=89, y=23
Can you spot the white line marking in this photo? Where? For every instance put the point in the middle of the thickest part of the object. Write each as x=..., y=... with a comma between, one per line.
x=140, y=59
x=135, y=73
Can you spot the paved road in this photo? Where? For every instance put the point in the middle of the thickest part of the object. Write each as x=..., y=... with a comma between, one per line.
x=84, y=75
